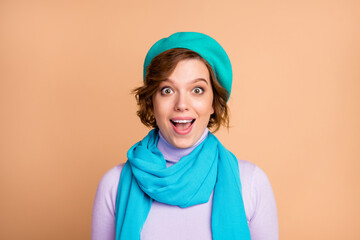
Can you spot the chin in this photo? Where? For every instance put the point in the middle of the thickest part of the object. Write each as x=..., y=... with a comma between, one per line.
x=182, y=143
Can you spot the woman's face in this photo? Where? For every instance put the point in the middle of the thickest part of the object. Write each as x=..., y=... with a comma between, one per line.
x=183, y=103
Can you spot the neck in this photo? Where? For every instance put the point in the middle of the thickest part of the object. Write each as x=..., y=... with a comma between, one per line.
x=173, y=154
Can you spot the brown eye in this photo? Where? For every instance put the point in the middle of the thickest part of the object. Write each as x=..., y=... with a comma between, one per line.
x=166, y=91
x=198, y=90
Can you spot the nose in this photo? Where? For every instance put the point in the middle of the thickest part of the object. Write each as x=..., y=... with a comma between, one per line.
x=181, y=102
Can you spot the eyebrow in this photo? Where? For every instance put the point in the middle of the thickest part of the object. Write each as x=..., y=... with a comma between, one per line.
x=193, y=81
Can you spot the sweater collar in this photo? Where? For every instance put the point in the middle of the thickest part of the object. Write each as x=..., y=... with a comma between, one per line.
x=173, y=154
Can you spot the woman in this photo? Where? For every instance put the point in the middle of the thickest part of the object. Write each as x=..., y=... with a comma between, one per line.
x=180, y=182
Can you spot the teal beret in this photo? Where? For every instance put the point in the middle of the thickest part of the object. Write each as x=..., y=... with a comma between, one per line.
x=205, y=46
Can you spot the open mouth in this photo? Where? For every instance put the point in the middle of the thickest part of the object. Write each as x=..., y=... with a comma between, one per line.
x=182, y=125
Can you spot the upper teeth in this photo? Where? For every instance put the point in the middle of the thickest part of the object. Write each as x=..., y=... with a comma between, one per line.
x=182, y=121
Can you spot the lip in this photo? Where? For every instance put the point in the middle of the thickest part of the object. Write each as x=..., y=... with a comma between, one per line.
x=182, y=118
x=182, y=131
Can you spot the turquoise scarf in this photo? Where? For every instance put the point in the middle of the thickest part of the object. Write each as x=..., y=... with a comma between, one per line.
x=210, y=166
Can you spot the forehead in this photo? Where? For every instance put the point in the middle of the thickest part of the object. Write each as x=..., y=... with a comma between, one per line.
x=189, y=70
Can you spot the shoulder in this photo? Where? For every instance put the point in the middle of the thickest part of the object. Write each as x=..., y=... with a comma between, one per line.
x=256, y=187
x=103, y=213
x=112, y=174
x=110, y=179
x=259, y=202
x=249, y=172
x=108, y=186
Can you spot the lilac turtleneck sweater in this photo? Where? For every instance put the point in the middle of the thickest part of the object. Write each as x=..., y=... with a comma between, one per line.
x=172, y=222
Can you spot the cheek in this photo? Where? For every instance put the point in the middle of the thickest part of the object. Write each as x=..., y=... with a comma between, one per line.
x=155, y=108
x=207, y=105
x=204, y=108
x=212, y=105
x=157, y=113
x=160, y=109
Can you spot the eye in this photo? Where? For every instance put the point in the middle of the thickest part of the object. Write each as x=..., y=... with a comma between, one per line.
x=166, y=91
x=198, y=90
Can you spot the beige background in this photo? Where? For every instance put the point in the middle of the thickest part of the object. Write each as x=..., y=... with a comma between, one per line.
x=67, y=115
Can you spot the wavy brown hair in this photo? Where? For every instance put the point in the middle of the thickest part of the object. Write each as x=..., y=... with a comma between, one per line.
x=160, y=69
